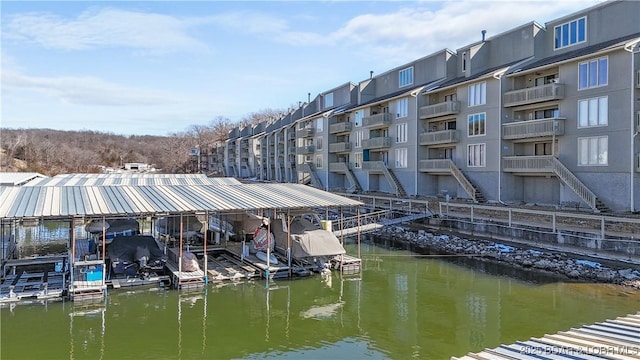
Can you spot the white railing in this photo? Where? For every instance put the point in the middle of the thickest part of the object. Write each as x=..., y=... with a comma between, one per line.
x=440, y=109
x=439, y=137
x=574, y=183
x=534, y=94
x=340, y=127
x=376, y=143
x=533, y=128
x=383, y=119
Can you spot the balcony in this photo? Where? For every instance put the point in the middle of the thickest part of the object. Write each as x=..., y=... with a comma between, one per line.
x=377, y=121
x=377, y=143
x=435, y=166
x=439, y=137
x=305, y=150
x=339, y=167
x=341, y=127
x=534, y=165
x=291, y=135
x=440, y=109
x=533, y=128
x=340, y=147
x=244, y=153
x=374, y=166
x=306, y=132
x=533, y=95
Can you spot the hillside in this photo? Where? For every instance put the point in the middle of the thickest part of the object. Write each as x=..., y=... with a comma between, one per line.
x=52, y=152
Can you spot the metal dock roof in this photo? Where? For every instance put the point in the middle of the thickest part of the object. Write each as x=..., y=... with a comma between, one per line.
x=71, y=201
x=18, y=178
x=612, y=339
x=132, y=179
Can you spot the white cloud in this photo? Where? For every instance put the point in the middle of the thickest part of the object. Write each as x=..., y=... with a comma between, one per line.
x=84, y=90
x=423, y=28
x=105, y=28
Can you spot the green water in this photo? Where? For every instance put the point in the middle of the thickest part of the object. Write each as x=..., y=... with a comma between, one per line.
x=402, y=307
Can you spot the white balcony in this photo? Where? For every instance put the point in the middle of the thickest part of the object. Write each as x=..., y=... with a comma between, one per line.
x=439, y=109
x=533, y=95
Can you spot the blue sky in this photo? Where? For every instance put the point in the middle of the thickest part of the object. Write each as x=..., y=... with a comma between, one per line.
x=157, y=67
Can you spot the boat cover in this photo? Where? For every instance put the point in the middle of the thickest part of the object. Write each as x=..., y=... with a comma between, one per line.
x=307, y=240
x=131, y=248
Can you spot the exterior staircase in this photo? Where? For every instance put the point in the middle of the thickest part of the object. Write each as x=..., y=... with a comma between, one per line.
x=381, y=167
x=344, y=168
x=310, y=168
x=395, y=183
x=569, y=179
x=466, y=184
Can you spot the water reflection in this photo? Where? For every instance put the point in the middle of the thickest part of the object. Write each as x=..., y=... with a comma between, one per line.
x=401, y=307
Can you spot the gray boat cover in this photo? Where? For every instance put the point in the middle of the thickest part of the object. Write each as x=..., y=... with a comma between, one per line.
x=307, y=240
x=131, y=248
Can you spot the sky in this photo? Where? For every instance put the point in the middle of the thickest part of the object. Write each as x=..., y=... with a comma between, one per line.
x=158, y=67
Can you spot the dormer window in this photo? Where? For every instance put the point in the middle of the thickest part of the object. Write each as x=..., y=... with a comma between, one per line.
x=570, y=33
x=405, y=77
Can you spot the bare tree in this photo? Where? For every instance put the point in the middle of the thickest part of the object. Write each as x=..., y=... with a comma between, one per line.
x=262, y=115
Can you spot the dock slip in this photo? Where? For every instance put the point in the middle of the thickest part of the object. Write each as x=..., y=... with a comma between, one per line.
x=612, y=339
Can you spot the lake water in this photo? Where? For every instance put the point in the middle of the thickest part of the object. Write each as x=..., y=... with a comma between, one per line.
x=401, y=307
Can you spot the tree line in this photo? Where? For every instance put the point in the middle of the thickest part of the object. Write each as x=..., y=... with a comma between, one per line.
x=51, y=152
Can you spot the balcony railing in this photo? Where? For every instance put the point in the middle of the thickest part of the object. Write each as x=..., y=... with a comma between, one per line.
x=340, y=147
x=533, y=128
x=340, y=127
x=377, y=120
x=339, y=167
x=377, y=143
x=439, y=137
x=305, y=150
x=373, y=166
x=528, y=164
x=440, y=109
x=306, y=132
x=441, y=166
x=533, y=95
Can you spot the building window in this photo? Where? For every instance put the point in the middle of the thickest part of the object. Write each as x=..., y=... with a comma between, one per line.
x=401, y=133
x=318, y=161
x=477, y=124
x=464, y=61
x=405, y=77
x=476, y=155
x=319, y=143
x=593, y=150
x=593, y=73
x=550, y=113
x=478, y=94
x=357, y=160
x=401, y=158
x=570, y=33
x=593, y=112
x=320, y=124
x=402, y=108
x=450, y=97
x=358, y=117
x=358, y=136
x=328, y=100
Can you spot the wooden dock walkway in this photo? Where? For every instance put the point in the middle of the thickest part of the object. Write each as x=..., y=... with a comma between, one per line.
x=611, y=339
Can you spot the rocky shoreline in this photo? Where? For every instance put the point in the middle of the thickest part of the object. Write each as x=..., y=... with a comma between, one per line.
x=550, y=262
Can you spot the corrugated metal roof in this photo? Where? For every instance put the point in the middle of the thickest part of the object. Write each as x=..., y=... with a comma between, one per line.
x=82, y=200
x=612, y=339
x=132, y=179
x=18, y=178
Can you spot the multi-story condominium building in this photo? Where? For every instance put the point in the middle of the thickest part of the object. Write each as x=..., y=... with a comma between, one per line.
x=537, y=114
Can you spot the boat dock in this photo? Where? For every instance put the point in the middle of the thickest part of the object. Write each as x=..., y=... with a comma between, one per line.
x=611, y=339
x=35, y=279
